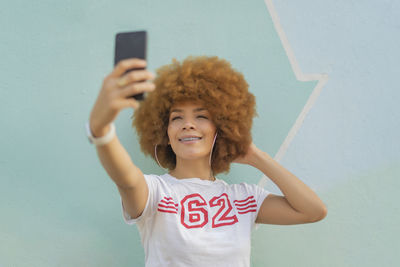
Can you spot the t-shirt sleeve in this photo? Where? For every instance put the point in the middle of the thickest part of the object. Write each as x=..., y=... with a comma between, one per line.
x=259, y=194
x=151, y=182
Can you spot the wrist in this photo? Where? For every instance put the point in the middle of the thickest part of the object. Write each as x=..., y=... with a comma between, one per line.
x=105, y=134
x=259, y=158
x=99, y=132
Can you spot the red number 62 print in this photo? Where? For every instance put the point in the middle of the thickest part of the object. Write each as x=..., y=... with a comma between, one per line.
x=194, y=205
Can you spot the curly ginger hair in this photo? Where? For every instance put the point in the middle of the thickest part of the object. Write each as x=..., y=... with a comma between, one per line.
x=212, y=82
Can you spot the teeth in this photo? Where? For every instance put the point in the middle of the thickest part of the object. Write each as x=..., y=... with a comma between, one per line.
x=190, y=138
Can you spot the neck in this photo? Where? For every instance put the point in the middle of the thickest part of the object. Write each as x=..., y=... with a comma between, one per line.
x=192, y=169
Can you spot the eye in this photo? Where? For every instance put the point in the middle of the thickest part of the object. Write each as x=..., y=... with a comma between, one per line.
x=175, y=118
x=202, y=116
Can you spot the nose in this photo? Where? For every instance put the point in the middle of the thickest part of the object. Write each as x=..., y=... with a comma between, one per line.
x=188, y=124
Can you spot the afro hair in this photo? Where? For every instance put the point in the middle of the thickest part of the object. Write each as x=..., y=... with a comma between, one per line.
x=212, y=82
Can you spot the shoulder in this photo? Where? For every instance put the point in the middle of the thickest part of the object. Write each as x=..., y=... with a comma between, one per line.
x=244, y=187
x=246, y=190
x=156, y=177
x=162, y=182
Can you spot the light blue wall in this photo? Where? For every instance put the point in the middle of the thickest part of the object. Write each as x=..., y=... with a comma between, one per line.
x=58, y=206
x=348, y=146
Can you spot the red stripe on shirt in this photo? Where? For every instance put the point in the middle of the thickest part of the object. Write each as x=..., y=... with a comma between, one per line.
x=168, y=207
x=169, y=211
x=247, y=203
x=246, y=208
x=244, y=200
x=168, y=202
x=247, y=211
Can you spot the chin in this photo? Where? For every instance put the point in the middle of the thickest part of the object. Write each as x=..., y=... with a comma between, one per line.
x=193, y=156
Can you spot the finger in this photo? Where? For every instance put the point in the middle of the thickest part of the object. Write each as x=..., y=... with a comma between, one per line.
x=137, y=88
x=127, y=103
x=135, y=76
x=127, y=64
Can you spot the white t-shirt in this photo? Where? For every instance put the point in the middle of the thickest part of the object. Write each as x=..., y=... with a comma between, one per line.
x=194, y=222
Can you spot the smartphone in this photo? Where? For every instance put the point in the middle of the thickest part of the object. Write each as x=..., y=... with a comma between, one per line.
x=131, y=45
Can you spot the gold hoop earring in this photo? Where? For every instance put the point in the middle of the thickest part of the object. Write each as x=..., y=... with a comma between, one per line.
x=212, y=147
x=155, y=154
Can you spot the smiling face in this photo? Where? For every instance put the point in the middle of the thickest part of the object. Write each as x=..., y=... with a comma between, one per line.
x=190, y=131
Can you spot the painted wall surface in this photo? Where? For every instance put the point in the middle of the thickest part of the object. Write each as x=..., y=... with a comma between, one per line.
x=348, y=145
x=324, y=77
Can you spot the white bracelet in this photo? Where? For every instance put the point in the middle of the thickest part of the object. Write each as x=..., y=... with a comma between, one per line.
x=99, y=141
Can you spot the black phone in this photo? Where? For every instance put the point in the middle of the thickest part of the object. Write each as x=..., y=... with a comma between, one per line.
x=131, y=45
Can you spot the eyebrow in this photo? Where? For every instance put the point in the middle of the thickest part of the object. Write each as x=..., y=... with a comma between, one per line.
x=180, y=110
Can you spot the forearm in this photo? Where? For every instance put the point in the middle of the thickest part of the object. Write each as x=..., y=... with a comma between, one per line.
x=299, y=195
x=116, y=161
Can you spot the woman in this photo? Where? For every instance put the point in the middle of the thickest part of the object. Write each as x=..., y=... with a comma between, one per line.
x=195, y=123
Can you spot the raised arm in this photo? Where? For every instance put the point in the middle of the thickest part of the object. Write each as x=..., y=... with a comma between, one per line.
x=113, y=97
x=300, y=204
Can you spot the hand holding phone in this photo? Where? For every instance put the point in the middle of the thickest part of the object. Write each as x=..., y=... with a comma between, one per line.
x=128, y=78
x=131, y=45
